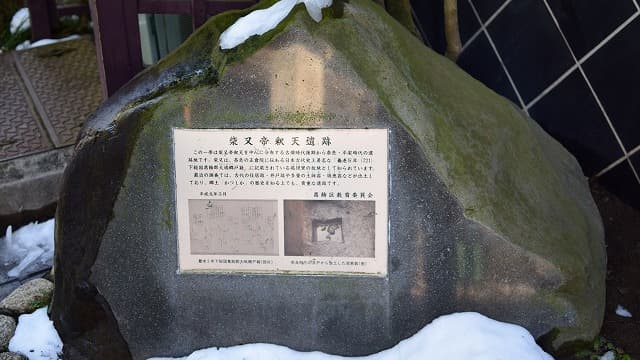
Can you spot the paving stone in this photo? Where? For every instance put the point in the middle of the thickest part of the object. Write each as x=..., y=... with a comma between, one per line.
x=46, y=94
x=63, y=80
x=20, y=130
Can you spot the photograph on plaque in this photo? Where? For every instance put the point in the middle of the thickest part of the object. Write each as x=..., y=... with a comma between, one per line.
x=326, y=228
x=226, y=227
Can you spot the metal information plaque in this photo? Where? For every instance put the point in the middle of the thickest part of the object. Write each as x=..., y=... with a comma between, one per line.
x=282, y=200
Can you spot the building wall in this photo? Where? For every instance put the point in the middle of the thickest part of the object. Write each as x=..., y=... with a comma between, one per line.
x=572, y=65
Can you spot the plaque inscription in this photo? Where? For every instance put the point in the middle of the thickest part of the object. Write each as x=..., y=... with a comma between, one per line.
x=282, y=200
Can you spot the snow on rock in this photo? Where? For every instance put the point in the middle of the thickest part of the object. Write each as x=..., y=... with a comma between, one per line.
x=42, y=42
x=609, y=355
x=36, y=338
x=259, y=22
x=30, y=245
x=23, y=45
x=20, y=21
x=621, y=311
x=459, y=336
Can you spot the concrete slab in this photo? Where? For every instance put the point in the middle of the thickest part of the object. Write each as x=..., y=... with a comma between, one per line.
x=30, y=184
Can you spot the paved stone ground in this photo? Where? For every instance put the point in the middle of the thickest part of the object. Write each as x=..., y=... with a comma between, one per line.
x=46, y=94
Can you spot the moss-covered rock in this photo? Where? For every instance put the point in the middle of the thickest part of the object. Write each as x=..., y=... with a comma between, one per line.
x=27, y=298
x=12, y=356
x=7, y=329
x=486, y=211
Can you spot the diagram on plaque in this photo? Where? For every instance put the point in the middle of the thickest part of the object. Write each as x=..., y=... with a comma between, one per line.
x=227, y=227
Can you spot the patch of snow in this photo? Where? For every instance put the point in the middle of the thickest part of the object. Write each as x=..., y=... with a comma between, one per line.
x=459, y=336
x=28, y=45
x=259, y=22
x=36, y=338
x=20, y=21
x=621, y=311
x=609, y=355
x=28, y=247
x=24, y=45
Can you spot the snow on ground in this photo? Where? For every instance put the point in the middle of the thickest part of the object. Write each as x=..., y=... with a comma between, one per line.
x=35, y=337
x=621, y=311
x=31, y=245
x=28, y=44
x=259, y=22
x=20, y=21
x=459, y=336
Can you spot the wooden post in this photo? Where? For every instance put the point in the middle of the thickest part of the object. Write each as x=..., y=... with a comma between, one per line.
x=44, y=18
x=73, y=9
x=216, y=7
x=117, y=37
x=198, y=13
x=452, y=30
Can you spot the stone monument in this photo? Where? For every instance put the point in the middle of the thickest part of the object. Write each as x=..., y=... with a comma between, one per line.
x=329, y=186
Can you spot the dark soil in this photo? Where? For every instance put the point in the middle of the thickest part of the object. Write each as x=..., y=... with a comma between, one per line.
x=622, y=234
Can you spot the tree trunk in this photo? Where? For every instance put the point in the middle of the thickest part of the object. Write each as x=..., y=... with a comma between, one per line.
x=451, y=30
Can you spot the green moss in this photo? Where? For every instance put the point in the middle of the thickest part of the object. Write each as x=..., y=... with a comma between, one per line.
x=39, y=302
x=497, y=162
x=222, y=58
x=470, y=261
x=591, y=349
x=208, y=37
x=401, y=11
x=298, y=118
x=459, y=123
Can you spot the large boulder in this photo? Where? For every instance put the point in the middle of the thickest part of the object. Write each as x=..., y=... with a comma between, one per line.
x=486, y=212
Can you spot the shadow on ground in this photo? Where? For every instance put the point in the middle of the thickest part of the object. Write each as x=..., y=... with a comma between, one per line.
x=622, y=234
